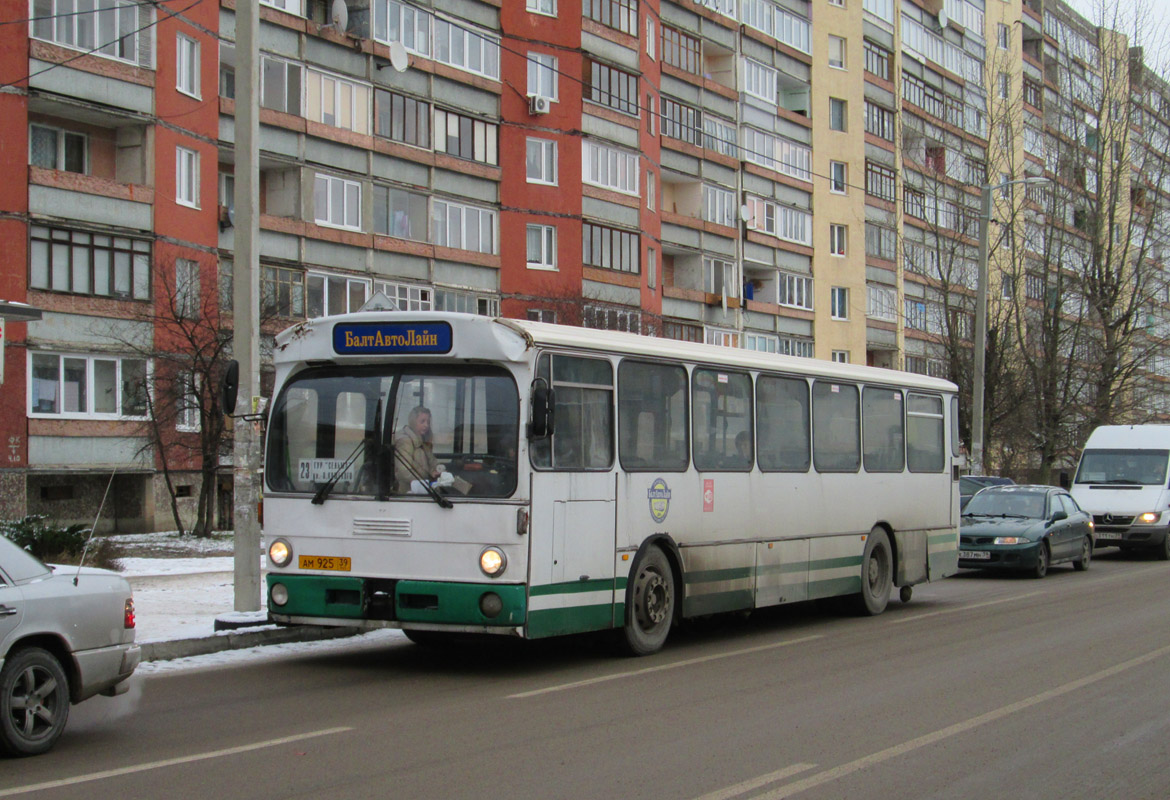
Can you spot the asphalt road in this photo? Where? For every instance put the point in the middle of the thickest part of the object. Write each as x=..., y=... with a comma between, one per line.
x=982, y=686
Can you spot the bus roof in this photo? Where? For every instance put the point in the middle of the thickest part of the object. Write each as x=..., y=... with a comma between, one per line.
x=478, y=337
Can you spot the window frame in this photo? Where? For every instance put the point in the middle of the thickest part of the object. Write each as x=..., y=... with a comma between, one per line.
x=187, y=177
x=346, y=184
x=546, y=146
x=547, y=257
x=90, y=386
x=187, y=65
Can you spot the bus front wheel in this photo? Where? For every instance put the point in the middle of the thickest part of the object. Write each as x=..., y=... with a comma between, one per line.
x=649, y=603
x=877, y=574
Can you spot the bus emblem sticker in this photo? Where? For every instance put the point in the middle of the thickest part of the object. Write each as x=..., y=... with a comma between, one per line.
x=659, y=496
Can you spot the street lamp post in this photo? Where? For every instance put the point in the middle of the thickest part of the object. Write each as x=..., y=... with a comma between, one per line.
x=977, y=388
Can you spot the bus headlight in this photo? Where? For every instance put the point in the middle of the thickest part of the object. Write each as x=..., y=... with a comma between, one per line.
x=279, y=594
x=1149, y=517
x=279, y=553
x=493, y=562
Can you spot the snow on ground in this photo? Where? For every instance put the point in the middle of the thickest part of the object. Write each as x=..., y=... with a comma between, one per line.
x=372, y=640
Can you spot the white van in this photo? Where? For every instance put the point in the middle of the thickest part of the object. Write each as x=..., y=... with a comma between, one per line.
x=1122, y=482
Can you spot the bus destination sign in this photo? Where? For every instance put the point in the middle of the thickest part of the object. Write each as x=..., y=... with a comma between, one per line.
x=373, y=338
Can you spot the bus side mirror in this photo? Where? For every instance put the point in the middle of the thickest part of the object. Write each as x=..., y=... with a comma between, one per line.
x=229, y=387
x=543, y=402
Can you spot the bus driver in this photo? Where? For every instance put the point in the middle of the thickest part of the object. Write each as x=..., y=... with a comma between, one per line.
x=413, y=445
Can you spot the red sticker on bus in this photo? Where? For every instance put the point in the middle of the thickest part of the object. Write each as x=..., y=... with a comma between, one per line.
x=708, y=494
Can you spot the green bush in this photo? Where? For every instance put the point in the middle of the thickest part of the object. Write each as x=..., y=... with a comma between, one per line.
x=51, y=543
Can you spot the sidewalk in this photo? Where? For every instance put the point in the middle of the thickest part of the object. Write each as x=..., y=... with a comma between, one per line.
x=178, y=600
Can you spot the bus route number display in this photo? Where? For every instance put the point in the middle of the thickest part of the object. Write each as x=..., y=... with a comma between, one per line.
x=406, y=338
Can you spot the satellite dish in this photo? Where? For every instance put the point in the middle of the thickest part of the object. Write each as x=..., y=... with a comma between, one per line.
x=745, y=213
x=399, y=59
x=942, y=18
x=339, y=15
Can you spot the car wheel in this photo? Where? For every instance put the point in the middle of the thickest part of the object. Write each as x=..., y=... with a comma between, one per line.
x=1042, y=559
x=1163, y=550
x=34, y=702
x=649, y=604
x=877, y=574
x=1082, y=563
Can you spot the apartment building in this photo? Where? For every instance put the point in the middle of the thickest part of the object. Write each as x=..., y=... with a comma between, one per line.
x=792, y=177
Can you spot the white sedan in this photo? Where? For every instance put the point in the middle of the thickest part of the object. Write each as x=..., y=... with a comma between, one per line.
x=65, y=635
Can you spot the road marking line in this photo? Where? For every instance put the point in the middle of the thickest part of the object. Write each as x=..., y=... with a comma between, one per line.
x=926, y=614
x=170, y=762
x=756, y=783
x=674, y=665
x=829, y=775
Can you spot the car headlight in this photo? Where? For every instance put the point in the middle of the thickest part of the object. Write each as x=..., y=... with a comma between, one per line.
x=1149, y=517
x=1012, y=540
x=279, y=553
x=493, y=562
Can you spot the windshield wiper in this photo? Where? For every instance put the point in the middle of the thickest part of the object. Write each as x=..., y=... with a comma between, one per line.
x=327, y=487
x=422, y=479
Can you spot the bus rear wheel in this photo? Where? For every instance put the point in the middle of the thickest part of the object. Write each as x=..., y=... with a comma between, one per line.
x=650, y=599
x=877, y=574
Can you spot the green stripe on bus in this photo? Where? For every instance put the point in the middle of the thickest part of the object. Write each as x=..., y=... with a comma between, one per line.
x=832, y=587
x=575, y=619
x=718, y=602
x=834, y=563
x=715, y=575
x=574, y=587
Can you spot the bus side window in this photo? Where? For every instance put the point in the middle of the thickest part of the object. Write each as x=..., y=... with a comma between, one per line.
x=583, y=414
x=836, y=428
x=783, y=424
x=722, y=420
x=924, y=433
x=652, y=408
x=884, y=442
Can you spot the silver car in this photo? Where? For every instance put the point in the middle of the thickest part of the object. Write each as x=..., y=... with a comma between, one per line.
x=65, y=635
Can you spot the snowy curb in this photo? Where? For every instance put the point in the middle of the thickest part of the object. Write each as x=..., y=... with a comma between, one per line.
x=237, y=640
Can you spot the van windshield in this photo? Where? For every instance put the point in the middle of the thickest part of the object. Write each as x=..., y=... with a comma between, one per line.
x=1133, y=467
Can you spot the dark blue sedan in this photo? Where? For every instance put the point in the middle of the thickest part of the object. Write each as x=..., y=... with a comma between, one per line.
x=1024, y=527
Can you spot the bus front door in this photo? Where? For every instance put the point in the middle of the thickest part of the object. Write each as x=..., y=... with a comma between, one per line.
x=572, y=561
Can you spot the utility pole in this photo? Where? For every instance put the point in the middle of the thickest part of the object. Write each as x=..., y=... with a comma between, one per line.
x=246, y=308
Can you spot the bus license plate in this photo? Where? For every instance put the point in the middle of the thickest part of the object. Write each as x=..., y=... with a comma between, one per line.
x=974, y=555
x=334, y=563
x=1108, y=535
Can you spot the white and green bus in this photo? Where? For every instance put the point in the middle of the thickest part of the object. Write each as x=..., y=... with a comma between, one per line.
x=589, y=480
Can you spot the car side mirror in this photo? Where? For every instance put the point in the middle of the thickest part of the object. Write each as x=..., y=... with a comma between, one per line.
x=1057, y=516
x=542, y=416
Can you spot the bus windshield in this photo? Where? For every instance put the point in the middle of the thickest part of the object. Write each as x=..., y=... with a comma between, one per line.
x=384, y=430
x=1134, y=467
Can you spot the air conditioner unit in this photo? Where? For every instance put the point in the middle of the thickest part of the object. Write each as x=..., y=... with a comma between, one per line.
x=538, y=104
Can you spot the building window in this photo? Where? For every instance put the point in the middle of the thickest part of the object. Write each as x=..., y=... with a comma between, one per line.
x=880, y=181
x=119, y=29
x=651, y=39
x=88, y=263
x=546, y=7
x=1005, y=34
x=402, y=22
x=187, y=65
x=400, y=213
x=280, y=85
x=464, y=227
x=186, y=289
x=335, y=294
x=838, y=177
x=837, y=114
x=881, y=242
x=337, y=202
x=795, y=346
x=760, y=342
x=621, y=15
x=541, y=161
x=402, y=119
x=650, y=199
x=680, y=50
x=877, y=60
x=282, y=292
x=680, y=121
x=542, y=315
x=839, y=302
x=466, y=303
x=608, y=318
x=1005, y=83
x=719, y=277
x=465, y=137
x=838, y=237
x=542, y=247
x=227, y=70
x=459, y=46
x=53, y=148
x=796, y=291
x=879, y=121
x=837, y=52
x=609, y=248
x=719, y=205
x=915, y=313
x=883, y=302
x=759, y=81
x=186, y=177
x=542, y=76
x=407, y=296
x=103, y=387
x=613, y=87
x=186, y=389
x=651, y=267
x=840, y=356
x=682, y=332
x=609, y=168
x=336, y=102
